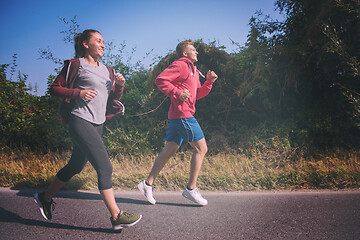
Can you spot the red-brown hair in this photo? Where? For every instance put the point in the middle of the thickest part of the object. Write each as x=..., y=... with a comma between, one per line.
x=180, y=48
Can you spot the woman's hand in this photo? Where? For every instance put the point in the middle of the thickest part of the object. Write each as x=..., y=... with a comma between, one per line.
x=119, y=79
x=88, y=94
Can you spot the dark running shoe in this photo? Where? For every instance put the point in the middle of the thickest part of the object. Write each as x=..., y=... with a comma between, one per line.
x=124, y=220
x=45, y=206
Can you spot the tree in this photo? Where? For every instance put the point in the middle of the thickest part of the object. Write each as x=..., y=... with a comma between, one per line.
x=25, y=117
x=313, y=67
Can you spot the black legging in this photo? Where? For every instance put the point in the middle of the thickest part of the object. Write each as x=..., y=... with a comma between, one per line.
x=88, y=146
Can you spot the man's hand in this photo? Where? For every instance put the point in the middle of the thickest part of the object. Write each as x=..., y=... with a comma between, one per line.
x=184, y=95
x=119, y=79
x=211, y=75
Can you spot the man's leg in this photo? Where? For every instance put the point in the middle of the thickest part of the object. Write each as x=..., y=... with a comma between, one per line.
x=164, y=156
x=191, y=192
x=145, y=186
x=200, y=149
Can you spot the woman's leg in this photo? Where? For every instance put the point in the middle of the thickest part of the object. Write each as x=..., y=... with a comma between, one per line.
x=74, y=166
x=109, y=199
x=55, y=186
x=89, y=139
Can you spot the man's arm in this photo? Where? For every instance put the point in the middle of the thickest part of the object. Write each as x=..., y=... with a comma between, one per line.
x=165, y=80
x=206, y=87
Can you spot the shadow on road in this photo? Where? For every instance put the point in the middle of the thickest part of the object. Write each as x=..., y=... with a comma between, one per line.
x=176, y=204
x=7, y=216
x=81, y=196
x=96, y=196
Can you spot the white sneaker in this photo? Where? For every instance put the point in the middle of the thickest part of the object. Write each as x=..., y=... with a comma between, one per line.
x=195, y=196
x=147, y=191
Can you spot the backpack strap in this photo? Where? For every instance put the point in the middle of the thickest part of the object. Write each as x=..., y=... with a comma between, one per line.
x=112, y=74
x=72, y=71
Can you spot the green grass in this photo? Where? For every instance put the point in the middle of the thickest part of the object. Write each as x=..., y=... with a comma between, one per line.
x=256, y=170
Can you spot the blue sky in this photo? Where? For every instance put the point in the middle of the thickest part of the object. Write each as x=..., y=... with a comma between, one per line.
x=28, y=26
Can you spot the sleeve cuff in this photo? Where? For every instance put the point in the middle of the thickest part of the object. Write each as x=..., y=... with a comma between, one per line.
x=208, y=82
x=176, y=92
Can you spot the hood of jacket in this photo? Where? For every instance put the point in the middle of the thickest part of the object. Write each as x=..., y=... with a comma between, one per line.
x=189, y=63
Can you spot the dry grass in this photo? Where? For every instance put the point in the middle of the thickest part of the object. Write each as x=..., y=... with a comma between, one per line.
x=267, y=170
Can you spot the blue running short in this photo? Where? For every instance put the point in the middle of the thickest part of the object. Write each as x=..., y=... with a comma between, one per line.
x=180, y=129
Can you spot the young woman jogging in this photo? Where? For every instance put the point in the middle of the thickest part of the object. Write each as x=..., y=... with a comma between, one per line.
x=91, y=92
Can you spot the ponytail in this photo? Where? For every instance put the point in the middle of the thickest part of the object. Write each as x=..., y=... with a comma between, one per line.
x=79, y=39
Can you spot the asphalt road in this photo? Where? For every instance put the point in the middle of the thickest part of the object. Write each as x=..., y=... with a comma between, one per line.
x=240, y=215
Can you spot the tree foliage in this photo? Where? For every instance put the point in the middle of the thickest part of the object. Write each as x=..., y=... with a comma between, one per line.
x=319, y=59
x=296, y=81
x=26, y=119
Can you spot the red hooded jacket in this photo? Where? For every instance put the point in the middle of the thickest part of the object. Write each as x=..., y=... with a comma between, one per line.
x=180, y=75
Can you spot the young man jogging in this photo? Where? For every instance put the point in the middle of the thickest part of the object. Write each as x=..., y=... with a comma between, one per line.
x=180, y=81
